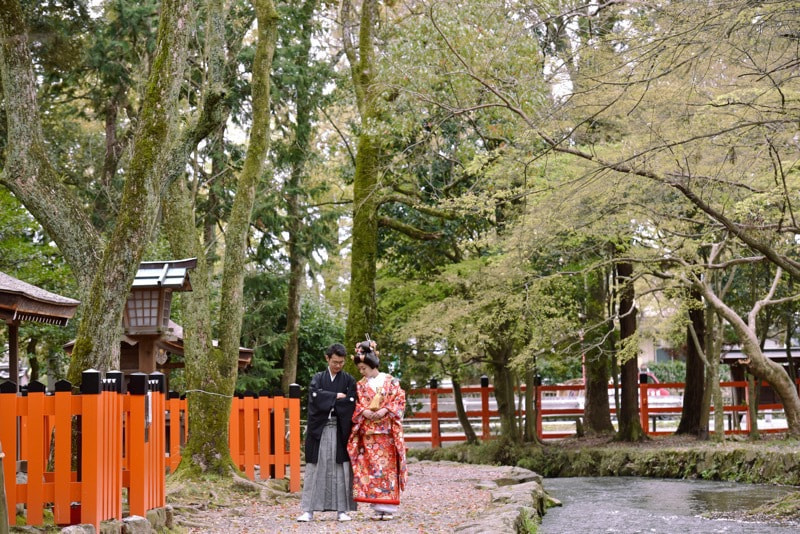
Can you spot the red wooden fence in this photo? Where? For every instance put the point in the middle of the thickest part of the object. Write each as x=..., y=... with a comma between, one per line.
x=118, y=448
x=124, y=444
x=545, y=410
x=263, y=434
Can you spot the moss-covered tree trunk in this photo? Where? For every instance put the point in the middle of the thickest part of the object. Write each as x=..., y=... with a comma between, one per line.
x=597, y=415
x=361, y=318
x=211, y=372
x=27, y=171
x=630, y=427
x=690, y=422
x=111, y=268
x=500, y=356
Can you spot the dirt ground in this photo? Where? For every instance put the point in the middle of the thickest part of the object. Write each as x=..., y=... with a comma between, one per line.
x=439, y=497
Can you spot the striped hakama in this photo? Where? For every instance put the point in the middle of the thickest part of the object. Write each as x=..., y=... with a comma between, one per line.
x=328, y=486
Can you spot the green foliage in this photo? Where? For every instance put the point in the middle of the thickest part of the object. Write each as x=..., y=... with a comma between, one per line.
x=671, y=371
x=264, y=331
x=28, y=255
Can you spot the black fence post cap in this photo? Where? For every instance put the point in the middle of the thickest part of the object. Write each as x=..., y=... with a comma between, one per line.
x=434, y=383
x=294, y=391
x=484, y=381
x=137, y=384
x=91, y=382
x=63, y=385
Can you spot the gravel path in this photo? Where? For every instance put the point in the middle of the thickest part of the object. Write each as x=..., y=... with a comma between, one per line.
x=439, y=497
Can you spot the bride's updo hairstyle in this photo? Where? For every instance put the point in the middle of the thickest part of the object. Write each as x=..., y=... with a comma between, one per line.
x=366, y=353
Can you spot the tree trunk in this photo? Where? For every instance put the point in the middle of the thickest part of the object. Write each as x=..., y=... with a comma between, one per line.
x=759, y=365
x=695, y=374
x=753, y=390
x=458, y=398
x=630, y=428
x=27, y=171
x=211, y=372
x=504, y=393
x=597, y=413
x=106, y=272
x=361, y=317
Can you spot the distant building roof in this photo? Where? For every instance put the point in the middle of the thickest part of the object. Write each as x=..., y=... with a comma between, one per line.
x=21, y=301
x=164, y=274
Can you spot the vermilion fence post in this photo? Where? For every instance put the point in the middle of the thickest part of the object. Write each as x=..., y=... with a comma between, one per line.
x=114, y=381
x=174, y=446
x=8, y=437
x=91, y=459
x=249, y=435
x=486, y=429
x=294, y=438
x=235, y=430
x=35, y=454
x=62, y=459
x=279, y=433
x=158, y=469
x=436, y=437
x=137, y=393
x=266, y=454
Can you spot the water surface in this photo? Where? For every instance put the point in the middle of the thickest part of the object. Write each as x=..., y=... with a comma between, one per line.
x=632, y=505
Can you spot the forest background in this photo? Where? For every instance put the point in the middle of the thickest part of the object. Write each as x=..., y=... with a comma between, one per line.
x=493, y=187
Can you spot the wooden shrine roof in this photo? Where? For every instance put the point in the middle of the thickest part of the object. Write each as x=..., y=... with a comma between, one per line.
x=21, y=301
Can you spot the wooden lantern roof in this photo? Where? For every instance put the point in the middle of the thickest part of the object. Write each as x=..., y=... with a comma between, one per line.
x=20, y=301
x=172, y=275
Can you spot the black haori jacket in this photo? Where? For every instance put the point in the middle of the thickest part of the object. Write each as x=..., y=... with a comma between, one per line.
x=321, y=400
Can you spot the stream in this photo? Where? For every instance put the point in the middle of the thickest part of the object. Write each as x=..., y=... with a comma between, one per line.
x=631, y=505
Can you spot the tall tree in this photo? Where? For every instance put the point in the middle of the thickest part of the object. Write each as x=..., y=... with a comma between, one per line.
x=360, y=51
x=211, y=371
x=105, y=269
x=695, y=370
x=630, y=428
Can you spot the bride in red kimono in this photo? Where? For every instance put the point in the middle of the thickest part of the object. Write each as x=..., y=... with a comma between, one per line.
x=376, y=446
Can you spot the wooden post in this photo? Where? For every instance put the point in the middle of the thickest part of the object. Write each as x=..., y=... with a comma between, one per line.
x=158, y=467
x=13, y=353
x=137, y=393
x=63, y=454
x=35, y=454
x=248, y=436
x=91, y=440
x=294, y=438
x=3, y=504
x=8, y=465
x=279, y=432
x=266, y=453
x=643, y=409
x=436, y=438
x=235, y=431
x=486, y=430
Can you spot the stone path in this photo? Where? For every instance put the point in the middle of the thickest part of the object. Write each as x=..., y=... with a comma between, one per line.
x=439, y=497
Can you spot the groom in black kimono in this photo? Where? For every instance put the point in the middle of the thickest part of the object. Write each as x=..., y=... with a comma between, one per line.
x=328, y=483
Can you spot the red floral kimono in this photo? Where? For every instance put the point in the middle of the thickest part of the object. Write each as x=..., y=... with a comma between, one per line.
x=377, y=449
